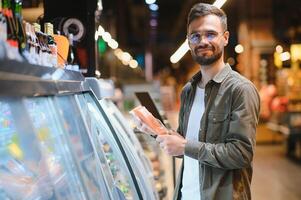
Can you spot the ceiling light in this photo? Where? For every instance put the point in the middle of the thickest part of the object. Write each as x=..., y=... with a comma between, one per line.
x=239, y=48
x=124, y=62
x=106, y=36
x=279, y=49
x=153, y=7
x=113, y=44
x=219, y=3
x=133, y=64
x=150, y=1
x=100, y=30
x=99, y=5
x=285, y=56
x=153, y=22
x=97, y=73
x=126, y=57
x=118, y=52
x=180, y=52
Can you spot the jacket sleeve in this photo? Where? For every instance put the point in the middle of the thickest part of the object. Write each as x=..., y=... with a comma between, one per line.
x=237, y=150
x=181, y=113
x=180, y=128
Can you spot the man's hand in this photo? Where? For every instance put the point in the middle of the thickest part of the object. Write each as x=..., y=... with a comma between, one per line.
x=173, y=143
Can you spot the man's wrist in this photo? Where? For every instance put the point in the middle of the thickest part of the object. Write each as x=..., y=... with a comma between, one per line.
x=183, y=145
x=192, y=149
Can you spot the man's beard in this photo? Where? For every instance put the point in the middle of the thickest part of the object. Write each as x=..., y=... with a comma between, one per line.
x=207, y=60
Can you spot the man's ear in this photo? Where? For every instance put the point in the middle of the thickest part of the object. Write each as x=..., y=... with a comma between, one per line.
x=226, y=37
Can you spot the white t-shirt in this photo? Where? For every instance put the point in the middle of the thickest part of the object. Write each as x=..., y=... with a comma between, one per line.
x=190, y=181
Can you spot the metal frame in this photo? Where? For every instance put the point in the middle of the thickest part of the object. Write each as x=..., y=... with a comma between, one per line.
x=24, y=79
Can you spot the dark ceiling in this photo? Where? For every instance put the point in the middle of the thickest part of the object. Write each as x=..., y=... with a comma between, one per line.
x=129, y=22
x=135, y=34
x=132, y=19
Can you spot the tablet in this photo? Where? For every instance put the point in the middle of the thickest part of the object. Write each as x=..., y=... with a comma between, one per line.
x=146, y=101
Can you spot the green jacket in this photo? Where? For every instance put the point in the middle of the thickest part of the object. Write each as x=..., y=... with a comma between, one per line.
x=226, y=138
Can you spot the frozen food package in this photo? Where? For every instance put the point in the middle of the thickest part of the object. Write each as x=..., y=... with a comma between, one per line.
x=146, y=122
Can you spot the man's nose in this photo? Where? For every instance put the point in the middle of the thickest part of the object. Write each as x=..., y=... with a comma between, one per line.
x=203, y=40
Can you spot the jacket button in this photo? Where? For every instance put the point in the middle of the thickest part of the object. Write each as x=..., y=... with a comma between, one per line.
x=214, y=119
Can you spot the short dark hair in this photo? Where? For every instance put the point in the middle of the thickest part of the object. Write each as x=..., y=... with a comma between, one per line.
x=204, y=9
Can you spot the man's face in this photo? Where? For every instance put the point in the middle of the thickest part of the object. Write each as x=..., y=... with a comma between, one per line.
x=207, y=38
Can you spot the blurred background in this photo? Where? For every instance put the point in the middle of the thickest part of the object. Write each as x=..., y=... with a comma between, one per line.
x=139, y=45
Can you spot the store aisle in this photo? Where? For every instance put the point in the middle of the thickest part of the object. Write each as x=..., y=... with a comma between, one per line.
x=275, y=177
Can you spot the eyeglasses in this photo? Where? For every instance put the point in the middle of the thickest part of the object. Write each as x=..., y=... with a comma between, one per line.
x=195, y=38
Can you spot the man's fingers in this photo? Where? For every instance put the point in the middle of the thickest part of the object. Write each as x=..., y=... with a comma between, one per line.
x=159, y=138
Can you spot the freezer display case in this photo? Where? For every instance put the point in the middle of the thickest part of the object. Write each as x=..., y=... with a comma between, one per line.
x=131, y=144
x=124, y=177
x=134, y=143
x=124, y=131
x=34, y=162
x=53, y=143
x=57, y=143
x=43, y=154
x=16, y=177
x=91, y=161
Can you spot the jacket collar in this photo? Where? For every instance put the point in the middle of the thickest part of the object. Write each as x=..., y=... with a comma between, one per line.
x=218, y=78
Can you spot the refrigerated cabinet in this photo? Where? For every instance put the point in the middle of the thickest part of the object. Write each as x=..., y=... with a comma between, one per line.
x=36, y=161
x=125, y=135
x=134, y=151
x=40, y=158
x=136, y=182
x=55, y=143
x=131, y=144
x=123, y=176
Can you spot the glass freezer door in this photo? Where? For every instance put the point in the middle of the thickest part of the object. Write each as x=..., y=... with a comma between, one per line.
x=85, y=151
x=29, y=168
x=63, y=172
x=21, y=166
x=134, y=151
x=126, y=132
x=123, y=178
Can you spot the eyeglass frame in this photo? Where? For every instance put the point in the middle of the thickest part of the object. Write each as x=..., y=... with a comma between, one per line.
x=202, y=34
